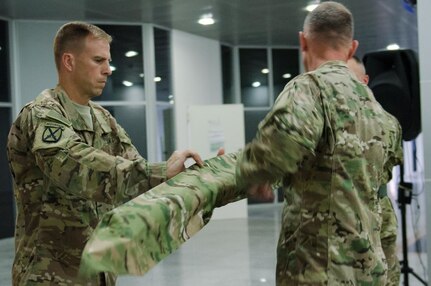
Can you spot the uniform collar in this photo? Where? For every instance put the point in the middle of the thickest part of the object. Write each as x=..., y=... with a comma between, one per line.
x=99, y=117
x=334, y=63
x=78, y=122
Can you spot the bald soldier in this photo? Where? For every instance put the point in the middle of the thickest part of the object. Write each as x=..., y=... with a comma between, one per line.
x=330, y=145
x=71, y=162
x=388, y=233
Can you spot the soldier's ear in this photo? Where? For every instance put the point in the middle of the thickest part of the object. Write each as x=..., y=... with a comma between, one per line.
x=68, y=61
x=352, y=49
x=303, y=42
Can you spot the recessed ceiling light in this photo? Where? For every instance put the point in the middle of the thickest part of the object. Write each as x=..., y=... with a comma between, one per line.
x=141, y=75
x=127, y=83
x=157, y=79
x=287, y=75
x=130, y=54
x=312, y=5
x=206, y=19
x=265, y=70
x=393, y=47
x=255, y=84
x=113, y=68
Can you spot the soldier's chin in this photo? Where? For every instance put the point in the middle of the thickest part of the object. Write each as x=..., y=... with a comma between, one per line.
x=98, y=92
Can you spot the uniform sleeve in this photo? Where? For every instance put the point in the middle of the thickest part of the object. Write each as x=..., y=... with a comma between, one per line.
x=395, y=152
x=289, y=133
x=85, y=171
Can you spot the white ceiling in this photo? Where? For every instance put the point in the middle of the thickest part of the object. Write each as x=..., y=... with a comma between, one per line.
x=239, y=22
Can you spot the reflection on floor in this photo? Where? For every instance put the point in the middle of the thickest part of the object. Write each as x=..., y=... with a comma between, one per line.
x=227, y=252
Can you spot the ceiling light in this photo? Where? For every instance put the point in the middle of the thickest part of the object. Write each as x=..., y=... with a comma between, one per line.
x=171, y=101
x=206, y=19
x=127, y=83
x=130, y=54
x=113, y=68
x=312, y=5
x=263, y=280
x=170, y=96
x=287, y=75
x=157, y=79
x=255, y=84
x=393, y=47
x=265, y=70
x=141, y=75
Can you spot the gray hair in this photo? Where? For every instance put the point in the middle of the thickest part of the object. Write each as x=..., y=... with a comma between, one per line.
x=330, y=23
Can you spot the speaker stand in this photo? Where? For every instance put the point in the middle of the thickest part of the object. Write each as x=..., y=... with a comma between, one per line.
x=405, y=198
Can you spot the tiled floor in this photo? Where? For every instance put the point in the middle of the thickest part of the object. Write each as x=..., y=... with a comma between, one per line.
x=228, y=252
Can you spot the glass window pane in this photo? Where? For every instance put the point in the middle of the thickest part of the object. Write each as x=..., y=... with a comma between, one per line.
x=165, y=98
x=254, y=77
x=162, y=52
x=227, y=74
x=4, y=62
x=252, y=118
x=165, y=131
x=126, y=82
x=285, y=65
x=132, y=119
x=6, y=193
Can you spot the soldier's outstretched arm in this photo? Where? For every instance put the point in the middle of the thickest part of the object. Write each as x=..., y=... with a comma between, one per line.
x=289, y=133
x=135, y=236
x=76, y=167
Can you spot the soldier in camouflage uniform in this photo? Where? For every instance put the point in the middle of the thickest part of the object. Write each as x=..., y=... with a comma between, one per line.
x=331, y=145
x=388, y=233
x=71, y=162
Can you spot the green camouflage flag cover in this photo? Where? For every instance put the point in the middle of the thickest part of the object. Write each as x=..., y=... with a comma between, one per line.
x=134, y=237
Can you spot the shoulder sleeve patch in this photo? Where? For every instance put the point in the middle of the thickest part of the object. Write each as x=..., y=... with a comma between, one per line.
x=52, y=134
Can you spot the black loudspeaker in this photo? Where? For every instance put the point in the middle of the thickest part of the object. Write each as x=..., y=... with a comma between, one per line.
x=394, y=80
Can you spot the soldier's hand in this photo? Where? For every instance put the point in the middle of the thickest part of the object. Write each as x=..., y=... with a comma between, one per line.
x=220, y=151
x=175, y=163
x=261, y=192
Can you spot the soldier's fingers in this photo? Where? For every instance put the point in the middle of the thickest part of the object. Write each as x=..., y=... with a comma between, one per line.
x=192, y=154
x=220, y=151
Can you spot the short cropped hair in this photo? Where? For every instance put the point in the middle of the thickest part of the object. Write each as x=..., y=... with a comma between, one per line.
x=330, y=23
x=71, y=36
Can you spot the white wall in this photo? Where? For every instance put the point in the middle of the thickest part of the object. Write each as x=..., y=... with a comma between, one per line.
x=34, y=59
x=424, y=22
x=196, y=73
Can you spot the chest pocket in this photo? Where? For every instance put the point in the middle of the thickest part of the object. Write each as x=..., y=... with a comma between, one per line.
x=113, y=141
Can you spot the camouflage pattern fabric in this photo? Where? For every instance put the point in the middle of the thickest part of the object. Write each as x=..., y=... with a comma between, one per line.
x=137, y=235
x=388, y=235
x=331, y=145
x=66, y=176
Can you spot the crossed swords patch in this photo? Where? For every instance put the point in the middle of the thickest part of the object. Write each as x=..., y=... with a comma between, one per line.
x=52, y=134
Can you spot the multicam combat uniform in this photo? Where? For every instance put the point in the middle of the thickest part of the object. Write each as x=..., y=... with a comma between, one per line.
x=135, y=236
x=66, y=176
x=331, y=145
x=388, y=235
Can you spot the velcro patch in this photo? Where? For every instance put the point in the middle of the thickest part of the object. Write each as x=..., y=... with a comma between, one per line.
x=52, y=134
